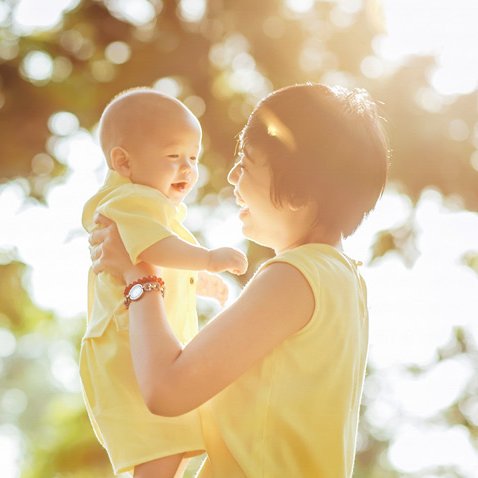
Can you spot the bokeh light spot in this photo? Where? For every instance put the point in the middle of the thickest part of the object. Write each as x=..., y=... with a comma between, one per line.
x=103, y=70
x=74, y=42
x=14, y=401
x=4, y=12
x=62, y=68
x=192, y=10
x=59, y=147
x=37, y=66
x=243, y=61
x=42, y=164
x=469, y=408
x=136, y=12
x=415, y=449
x=372, y=67
x=351, y=6
x=82, y=154
x=63, y=123
x=314, y=58
x=341, y=18
x=65, y=369
x=10, y=445
x=31, y=346
x=429, y=99
x=31, y=15
x=118, y=52
x=196, y=104
x=8, y=48
x=338, y=78
x=458, y=130
x=426, y=394
x=451, y=81
x=169, y=86
x=299, y=6
x=8, y=343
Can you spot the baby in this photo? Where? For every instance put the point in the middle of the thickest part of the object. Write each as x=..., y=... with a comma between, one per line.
x=151, y=142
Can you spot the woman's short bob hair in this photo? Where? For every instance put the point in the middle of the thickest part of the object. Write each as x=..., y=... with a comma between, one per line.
x=323, y=145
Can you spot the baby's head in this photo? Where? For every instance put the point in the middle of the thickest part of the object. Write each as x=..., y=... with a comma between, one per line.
x=152, y=139
x=324, y=146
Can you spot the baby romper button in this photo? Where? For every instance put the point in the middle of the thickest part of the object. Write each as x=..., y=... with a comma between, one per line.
x=191, y=280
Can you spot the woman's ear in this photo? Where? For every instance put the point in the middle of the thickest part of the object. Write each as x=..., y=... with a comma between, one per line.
x=120, y=161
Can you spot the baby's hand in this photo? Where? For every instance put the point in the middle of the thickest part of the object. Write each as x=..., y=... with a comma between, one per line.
x=211, y=285
x=227, y=259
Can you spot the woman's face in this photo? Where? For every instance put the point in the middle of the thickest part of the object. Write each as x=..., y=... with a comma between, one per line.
x=261, y=220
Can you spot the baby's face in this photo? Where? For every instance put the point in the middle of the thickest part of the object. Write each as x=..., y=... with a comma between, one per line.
x=167, y=158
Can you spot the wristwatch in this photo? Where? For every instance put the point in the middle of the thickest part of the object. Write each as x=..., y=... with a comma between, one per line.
x=137, y=291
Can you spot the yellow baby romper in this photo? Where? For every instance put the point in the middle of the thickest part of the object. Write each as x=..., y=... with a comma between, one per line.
x=124, y=426
x=295, y=413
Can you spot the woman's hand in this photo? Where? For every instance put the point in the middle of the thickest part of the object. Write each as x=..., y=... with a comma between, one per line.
x=108, y=253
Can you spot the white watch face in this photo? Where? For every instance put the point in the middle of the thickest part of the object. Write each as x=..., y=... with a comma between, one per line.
x=136, y=292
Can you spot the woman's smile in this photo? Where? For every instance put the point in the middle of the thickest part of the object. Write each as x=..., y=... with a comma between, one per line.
x=244, y=212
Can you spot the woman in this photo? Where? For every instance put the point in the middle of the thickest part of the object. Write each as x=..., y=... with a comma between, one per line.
x=278, y=374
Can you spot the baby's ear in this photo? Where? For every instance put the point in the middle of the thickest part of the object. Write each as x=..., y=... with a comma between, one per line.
x=295, y=204
x=120, y=161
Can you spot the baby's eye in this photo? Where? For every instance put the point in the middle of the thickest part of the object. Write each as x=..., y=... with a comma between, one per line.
x=193, y=158
x=174, y=156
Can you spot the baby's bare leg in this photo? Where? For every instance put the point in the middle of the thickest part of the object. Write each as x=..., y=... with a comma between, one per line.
x=161, y=468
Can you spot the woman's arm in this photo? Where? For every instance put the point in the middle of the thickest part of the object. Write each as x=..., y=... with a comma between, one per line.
x=275, y=304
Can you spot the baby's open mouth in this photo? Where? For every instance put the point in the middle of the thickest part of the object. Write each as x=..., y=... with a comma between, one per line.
x=181, y=186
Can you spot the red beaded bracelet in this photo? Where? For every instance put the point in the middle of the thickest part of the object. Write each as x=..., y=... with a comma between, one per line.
x=136, y=289
x=143, y=280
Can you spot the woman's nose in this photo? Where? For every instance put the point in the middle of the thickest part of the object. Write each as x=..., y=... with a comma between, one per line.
x=233, y=174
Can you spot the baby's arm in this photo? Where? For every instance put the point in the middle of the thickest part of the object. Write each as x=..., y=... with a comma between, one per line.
x=175, y=253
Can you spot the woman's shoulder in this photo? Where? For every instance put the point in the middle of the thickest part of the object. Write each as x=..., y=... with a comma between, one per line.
x=307, y=259
x=315, y=256
x=320, y=266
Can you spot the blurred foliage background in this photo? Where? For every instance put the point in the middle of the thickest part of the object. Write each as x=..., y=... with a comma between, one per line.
x=220, y=57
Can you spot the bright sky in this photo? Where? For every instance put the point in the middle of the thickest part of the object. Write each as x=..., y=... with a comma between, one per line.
x=444, y=28
x=413, y=310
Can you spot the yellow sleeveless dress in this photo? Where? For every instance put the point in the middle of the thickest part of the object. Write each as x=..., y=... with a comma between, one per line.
x=295, y=413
